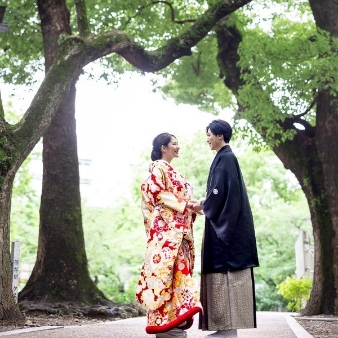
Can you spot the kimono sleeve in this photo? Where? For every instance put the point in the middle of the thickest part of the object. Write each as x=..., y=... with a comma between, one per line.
x=222, y=205
x=158, y=193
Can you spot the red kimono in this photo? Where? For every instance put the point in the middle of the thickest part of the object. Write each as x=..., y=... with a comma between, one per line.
x=166, y=287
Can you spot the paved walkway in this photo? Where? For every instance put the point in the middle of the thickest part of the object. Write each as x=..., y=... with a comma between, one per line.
x=270, y=325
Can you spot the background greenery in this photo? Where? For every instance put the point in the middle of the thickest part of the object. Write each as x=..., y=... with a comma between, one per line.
x=115, y=237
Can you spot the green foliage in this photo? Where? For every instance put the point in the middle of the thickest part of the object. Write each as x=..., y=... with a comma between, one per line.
x=194, y=80
x=115, y=245
x=148, y=23
x=24, y=216
x=297, y=290
x=21, y=47
x=151, y=22
x=283, y=72
x=267, y=299
x=284, y=60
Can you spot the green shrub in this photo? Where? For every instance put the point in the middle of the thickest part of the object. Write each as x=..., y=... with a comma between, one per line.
x=296, y=290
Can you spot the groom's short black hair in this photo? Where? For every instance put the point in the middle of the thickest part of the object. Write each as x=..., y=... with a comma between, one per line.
x=220, y=127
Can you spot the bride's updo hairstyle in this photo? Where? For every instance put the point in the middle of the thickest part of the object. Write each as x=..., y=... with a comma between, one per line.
x=159, y=141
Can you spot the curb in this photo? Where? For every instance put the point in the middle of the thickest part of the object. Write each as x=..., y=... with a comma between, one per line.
x=32, y=329
x=297, y=329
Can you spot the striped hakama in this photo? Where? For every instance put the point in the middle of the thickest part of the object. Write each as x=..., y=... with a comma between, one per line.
x=228, y=301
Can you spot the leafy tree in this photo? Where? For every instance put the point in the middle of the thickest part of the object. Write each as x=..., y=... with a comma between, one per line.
x=278, y=59
x=61, y=237
x=73, y=53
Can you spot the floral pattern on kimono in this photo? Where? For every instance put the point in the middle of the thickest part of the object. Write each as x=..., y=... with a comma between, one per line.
x=166, y=287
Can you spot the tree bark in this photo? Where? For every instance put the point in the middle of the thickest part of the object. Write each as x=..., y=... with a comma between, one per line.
x=312, y=156
x=326, y=141
x=8, y=310
x=61, y=271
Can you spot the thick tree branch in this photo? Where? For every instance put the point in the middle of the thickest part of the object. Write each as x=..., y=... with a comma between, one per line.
x=309, y=130
x=325, y=19
x=68, y=65
x=82, y=18
x=152, y=61
x=172, y=12
x=314, y=101
x=288, y=123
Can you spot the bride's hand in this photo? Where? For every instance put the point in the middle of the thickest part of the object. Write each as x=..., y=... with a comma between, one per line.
x=197, y=208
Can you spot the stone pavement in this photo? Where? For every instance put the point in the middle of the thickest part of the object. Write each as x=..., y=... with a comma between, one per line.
x=269, y=325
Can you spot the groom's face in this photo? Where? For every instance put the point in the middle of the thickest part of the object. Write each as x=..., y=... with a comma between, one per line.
x=215, y=141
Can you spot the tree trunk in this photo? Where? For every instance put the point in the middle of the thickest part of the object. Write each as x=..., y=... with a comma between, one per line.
x=61, y=270
x=324, y=13
x=312, y=156
x=327, y=145
x=8, y=306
